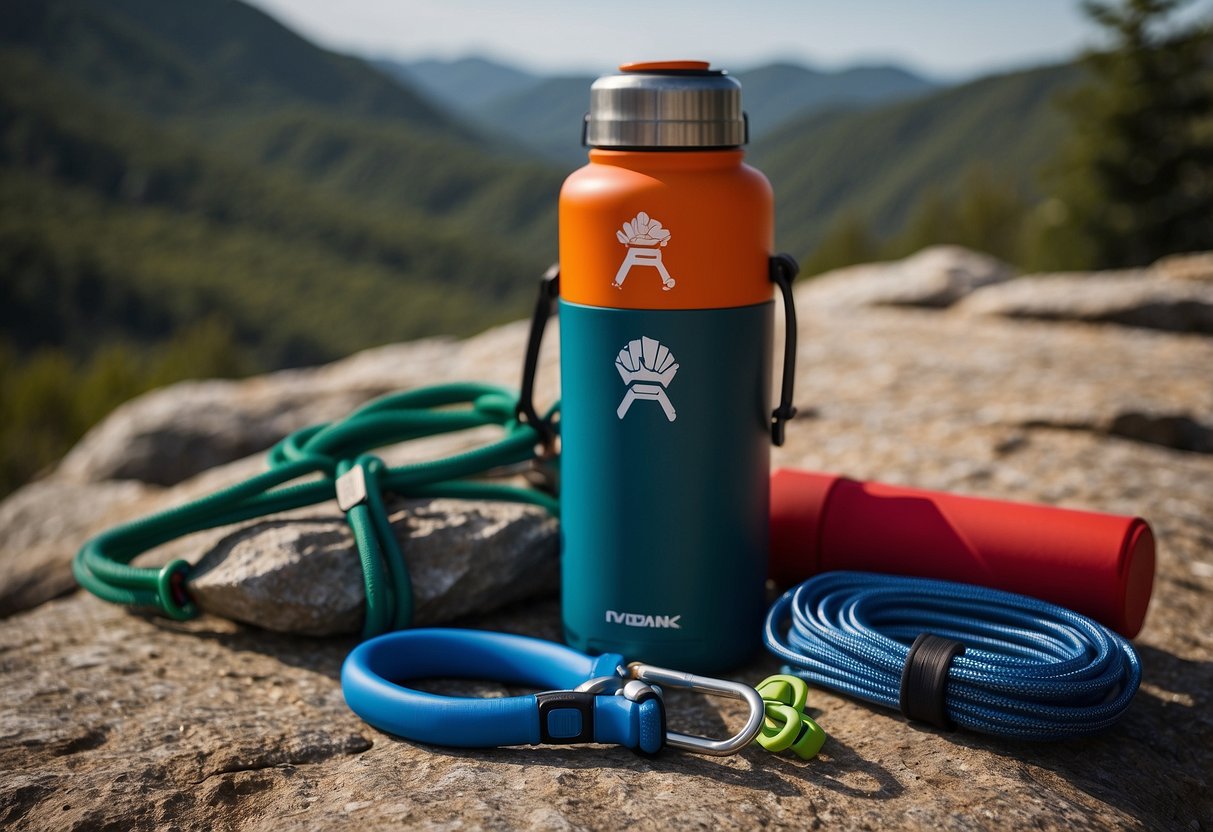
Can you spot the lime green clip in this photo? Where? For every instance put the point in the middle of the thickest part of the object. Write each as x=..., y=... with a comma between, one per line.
x=786, y=725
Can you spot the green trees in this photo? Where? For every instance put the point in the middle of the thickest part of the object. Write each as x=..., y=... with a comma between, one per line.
x=987, y=214
x=159, y=172
x=1132, y=182
x=48, y=399
x=847, y=241
x=1136, y=178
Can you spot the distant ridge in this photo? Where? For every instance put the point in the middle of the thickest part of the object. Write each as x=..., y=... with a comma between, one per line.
x=321, y=180
x=876, y=164
x=777, y=93
x=546, y=116
x=201, y=57
x=163, y=163
x=545, y=112
x=463, y=84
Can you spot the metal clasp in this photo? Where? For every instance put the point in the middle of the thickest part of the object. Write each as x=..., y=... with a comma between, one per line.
x=601, y=684
x=649, y=674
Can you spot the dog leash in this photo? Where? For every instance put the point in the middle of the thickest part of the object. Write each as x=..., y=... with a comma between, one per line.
x=599, y=699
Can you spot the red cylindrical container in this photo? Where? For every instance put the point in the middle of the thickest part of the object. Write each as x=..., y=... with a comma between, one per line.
x=1100, y=565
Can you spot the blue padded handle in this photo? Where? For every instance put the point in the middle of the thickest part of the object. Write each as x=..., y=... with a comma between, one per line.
x=374, y=671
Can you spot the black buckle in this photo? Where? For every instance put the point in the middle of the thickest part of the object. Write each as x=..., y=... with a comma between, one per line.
x=558, y=700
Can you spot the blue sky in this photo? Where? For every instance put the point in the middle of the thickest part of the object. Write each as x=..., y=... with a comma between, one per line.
x=948, y=38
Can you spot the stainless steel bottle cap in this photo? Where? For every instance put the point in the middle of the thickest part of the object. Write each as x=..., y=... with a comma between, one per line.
x=666, y=104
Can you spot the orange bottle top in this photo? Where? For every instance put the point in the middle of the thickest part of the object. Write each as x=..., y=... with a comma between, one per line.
x=664, y=66
x=666, y=229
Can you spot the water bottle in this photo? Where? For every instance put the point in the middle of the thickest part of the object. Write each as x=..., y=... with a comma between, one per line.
x=666, y=288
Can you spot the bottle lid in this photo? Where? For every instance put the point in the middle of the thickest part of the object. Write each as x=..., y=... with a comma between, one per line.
x=666, y=104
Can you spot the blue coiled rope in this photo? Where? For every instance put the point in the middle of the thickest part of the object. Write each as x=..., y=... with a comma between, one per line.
x=1030, y=670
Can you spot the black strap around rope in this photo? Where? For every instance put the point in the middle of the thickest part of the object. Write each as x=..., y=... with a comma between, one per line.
x=924, y=679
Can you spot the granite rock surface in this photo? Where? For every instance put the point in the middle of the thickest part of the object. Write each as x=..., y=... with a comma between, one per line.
x=294, y=573
x=1148, y=298
x=111, y=720
x=935, y=277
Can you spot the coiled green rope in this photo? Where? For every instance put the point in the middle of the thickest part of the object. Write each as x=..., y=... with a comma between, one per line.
x=102, y=566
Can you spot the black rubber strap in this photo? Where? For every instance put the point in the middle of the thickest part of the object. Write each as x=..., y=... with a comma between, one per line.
x=783, y=270
x=549, y=291
x=925, y=677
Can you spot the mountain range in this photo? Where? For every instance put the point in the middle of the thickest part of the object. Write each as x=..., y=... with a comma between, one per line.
x=879, y=164
x=192, y=188
x=162, y=163
x=866, y=142
x=545, y=113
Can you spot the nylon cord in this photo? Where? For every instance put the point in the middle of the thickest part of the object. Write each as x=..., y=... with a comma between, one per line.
x=1031, y=669
x=325, y=452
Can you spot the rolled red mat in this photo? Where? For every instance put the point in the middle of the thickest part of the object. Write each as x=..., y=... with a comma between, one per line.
x=1101, y=565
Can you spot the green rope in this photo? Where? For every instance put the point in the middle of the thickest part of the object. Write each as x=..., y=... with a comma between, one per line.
x=318, y=455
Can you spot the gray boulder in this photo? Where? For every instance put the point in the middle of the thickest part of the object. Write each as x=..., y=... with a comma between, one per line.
x=42, y=525
x=299, y=573
x=198, y=435
x=1194, y=266
x=1147, y=298
x=167, y=436
x=935, y=277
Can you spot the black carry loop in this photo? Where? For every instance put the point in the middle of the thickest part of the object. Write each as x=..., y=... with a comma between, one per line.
x=549, y=291
x=782, y=271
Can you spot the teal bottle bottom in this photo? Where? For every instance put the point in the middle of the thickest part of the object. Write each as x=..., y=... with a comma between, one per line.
x=665, y=482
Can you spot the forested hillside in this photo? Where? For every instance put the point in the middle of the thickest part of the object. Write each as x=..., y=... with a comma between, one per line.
x=191, y=189
x=201, y=58
x=194, y=172
x=297, y=205
x=777, y=94
x=463, y=84
x=878, y=166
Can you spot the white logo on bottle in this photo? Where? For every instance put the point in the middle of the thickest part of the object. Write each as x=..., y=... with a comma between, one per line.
x=636, y=619
x=644, y=238
x=641, y=363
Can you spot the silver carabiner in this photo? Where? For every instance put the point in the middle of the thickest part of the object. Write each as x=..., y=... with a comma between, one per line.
x=601, y=684
x=702, y=684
